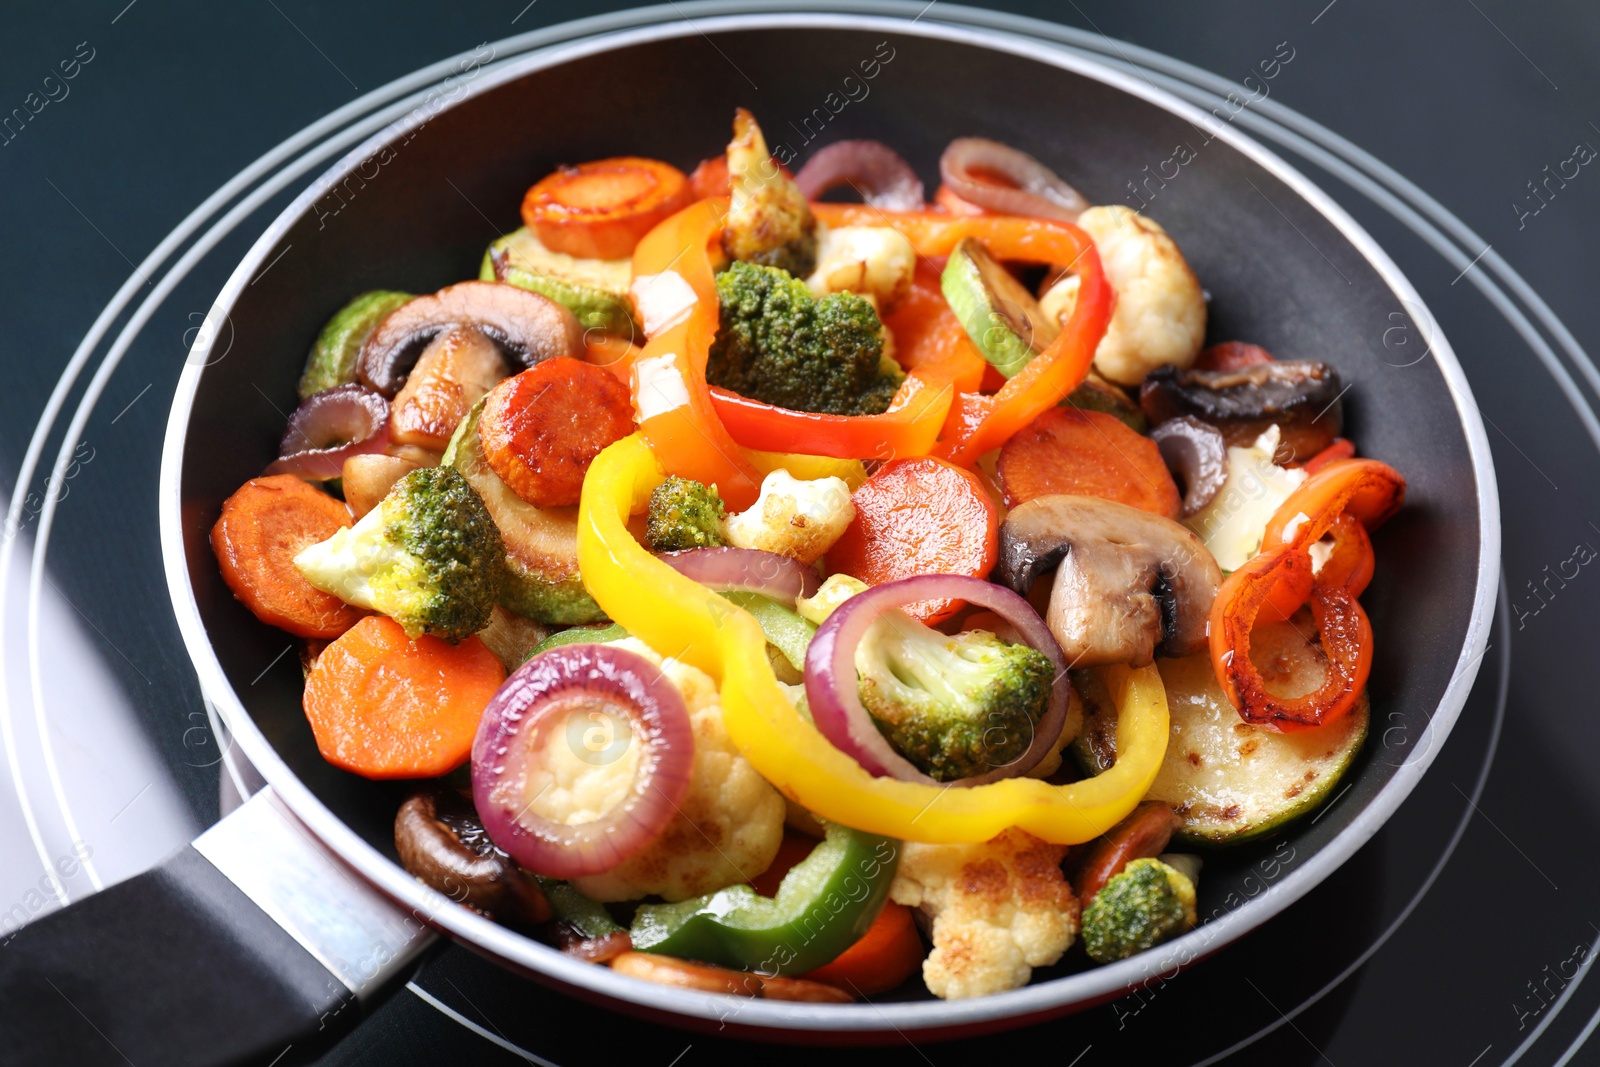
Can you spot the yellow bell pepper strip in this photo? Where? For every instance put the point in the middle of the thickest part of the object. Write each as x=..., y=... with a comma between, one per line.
x=675, y=297
x=981, y=422
x=685, y=620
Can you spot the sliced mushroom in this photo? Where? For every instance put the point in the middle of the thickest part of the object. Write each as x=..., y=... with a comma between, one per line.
x=525, y=326
x=455, y=369
x=1197, y=456
x=1129, y=584
x=1302, y=398
x=442, y=844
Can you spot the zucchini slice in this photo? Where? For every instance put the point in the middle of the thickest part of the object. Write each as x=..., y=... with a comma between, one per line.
x=595, y=290
x=333, y=356
x=542, y=580
x=1231, y=781
x=1001, y=317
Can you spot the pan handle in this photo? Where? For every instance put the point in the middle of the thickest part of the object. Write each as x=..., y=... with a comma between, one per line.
x=252, y=943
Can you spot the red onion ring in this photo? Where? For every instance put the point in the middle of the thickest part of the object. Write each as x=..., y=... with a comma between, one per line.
x=875, y=170
x=782, y=578
x=549, y=688
x=330, y=427
x=1005, y=179
x=834, y=697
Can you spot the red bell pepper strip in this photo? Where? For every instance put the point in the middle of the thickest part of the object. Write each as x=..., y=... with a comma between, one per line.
x=939, y=366
x=1341, y=448
x=1346, y=497
x=1346, y=642
x=675, y=295
x=1365, y=488
x=979, y=422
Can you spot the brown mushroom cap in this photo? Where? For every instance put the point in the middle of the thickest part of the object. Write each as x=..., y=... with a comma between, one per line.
x=442, y=844
x=1303, y=398
x=1129, y=583
x=527, y=327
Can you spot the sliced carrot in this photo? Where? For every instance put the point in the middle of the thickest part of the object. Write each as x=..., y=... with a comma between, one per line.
x=928, y=336
x=262, y=528
x=600, y=210
x=887, y=954
x=1232, y=355
x=1342, y=448
x=542, y=428
x=384, y=706
x=919, y=516
x=1086, y=453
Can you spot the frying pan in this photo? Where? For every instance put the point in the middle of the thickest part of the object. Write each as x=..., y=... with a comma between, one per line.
x=280, y=924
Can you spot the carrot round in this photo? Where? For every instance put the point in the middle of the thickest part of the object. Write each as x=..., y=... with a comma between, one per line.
x=929, y=337
x=887, y=954
x=541, y=429
x=262, y=528
x=599, y=210
x=1086, y=453
x=919, y=516
x=384, y=706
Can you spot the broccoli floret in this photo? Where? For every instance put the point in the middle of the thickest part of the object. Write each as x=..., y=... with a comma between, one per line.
x=954, y=706
x=781, y=345
x=684, y=514
x=428, y=556
x=769, y=221
x=1145, y=903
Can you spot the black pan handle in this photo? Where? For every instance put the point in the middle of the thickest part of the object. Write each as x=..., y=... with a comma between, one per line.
x=253, y=945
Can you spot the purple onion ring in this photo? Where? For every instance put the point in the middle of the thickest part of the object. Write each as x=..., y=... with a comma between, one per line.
x=330, y=427
x=875, y=170
x=548, y=690
x=1033, y=188
x=835, y=700
x=782, y=578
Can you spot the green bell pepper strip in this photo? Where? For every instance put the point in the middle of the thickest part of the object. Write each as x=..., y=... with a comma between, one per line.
x=784, y=629
x=588, y=917
x=579, y=635
x=824, y=905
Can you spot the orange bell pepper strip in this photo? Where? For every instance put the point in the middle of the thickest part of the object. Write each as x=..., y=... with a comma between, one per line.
x=979, y=422
x=675, y=297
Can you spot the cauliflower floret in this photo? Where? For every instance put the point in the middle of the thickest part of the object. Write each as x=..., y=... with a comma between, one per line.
x=793, y=517
x=876, y=261
x=728, y=825
x=999, y=909
x=1160, y=315
x=835, y=590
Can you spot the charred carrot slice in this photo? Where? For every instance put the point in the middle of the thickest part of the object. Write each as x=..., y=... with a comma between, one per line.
x=919, y=516
x=541, y=429
x=886, y=956
x=262, y=528
x=599, y=210
x=384, y=706
x=1086, y=453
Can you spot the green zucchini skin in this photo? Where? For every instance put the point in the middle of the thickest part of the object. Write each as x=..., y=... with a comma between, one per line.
x=594, y=290
x=332, y=361
x=1232, y=782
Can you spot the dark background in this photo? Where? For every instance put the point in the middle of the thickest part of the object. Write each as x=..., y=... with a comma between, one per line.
x=1471, y=99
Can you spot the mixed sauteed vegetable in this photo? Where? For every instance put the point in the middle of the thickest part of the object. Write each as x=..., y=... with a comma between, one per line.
x=786, y=597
